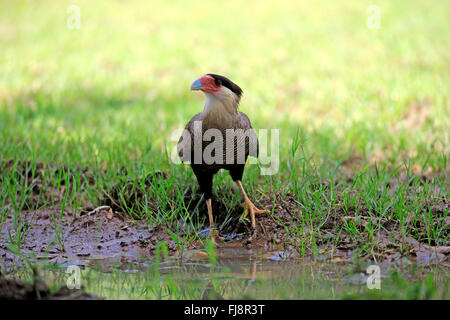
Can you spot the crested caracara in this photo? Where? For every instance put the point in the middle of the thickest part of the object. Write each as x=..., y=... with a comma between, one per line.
x=220, y=137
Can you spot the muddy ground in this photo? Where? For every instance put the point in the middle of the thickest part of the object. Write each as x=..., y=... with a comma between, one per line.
x=105, y=231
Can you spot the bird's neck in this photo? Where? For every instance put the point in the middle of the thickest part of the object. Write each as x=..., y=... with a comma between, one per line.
x=219, y=112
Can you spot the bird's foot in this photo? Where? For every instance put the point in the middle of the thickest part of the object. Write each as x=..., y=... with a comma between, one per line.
x=252, y=209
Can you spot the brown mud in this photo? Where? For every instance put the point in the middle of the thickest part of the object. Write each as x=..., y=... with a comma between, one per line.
x=100, y=235
x=106, y=234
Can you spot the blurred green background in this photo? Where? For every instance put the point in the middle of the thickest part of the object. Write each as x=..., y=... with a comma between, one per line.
x=112, y=91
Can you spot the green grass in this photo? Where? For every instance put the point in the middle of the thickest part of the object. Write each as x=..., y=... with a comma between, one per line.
x=363, y=114
x=111, y=92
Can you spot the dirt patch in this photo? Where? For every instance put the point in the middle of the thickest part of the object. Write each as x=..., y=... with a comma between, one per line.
x=283, y=228
x=391, y=241
x=99, y=235
x=414, y=117
x=106, y=233
x=279, y=226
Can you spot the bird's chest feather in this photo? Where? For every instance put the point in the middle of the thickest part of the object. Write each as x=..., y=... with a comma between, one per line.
x=221, y=145
x=219, y=135
x=219, y=121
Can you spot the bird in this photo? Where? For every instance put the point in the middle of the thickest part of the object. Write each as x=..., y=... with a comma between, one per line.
x=220, y=118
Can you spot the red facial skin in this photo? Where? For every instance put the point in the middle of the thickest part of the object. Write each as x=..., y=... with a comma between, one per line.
x=209, y=84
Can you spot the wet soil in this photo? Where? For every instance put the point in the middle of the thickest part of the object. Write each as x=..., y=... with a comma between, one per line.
x=105, y=234
x=99, y=235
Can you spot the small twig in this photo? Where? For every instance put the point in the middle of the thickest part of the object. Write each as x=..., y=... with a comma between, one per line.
x=97, y=210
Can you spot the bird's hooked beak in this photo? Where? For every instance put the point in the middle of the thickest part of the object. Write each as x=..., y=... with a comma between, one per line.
x=197, y=85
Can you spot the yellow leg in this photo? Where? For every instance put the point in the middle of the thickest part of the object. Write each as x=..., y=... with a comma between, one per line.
x=213, y=234
x=249, y=207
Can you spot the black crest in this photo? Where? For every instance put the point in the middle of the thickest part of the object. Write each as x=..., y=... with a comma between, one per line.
x=227, y=83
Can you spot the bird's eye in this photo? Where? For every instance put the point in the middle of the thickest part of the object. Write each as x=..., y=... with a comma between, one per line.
x=218, y=82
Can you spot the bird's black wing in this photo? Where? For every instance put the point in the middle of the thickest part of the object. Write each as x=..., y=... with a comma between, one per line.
x=246, y=125
x=182, y=144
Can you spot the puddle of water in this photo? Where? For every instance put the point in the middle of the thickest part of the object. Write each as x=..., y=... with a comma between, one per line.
x=250, y=274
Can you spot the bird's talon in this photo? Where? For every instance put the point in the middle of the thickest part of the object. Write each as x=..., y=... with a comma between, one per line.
x=251, y=207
